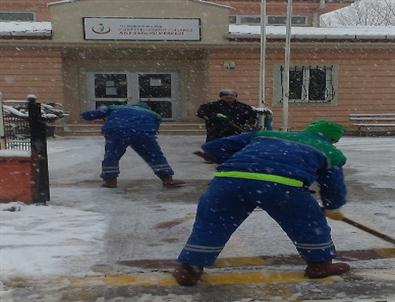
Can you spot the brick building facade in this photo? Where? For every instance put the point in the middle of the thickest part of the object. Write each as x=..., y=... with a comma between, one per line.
x=333, y=73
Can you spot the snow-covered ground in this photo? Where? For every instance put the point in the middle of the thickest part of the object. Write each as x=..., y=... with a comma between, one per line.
x=372, y=158
x=85, y=225
x=45, y=241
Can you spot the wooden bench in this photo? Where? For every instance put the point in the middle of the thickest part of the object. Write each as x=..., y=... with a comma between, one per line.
x=383, y=123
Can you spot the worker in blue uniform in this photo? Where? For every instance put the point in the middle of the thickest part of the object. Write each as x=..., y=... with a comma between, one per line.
x=271, y=170
x=135, y=126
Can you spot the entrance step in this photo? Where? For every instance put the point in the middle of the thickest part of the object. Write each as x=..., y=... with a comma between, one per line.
x=166, y=128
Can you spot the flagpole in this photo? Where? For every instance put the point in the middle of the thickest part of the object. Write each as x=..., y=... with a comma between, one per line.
x=286, y=66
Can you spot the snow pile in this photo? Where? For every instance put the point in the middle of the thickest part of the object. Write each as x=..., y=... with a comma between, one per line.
x=15, y=153
x=48, y=240
x=278, y=32
x=50, y=111
x=16, y=28
x=12, y=111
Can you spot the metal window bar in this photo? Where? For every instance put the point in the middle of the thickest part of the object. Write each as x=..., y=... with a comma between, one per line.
x=329, y=90
x=271, y=20
x=306, y=70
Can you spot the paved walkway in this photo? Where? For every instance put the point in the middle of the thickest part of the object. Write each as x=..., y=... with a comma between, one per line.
x=146, y=226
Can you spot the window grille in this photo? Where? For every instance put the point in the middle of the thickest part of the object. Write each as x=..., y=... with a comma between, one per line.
x=271, y=20
x=17, y=16
x=309, y=84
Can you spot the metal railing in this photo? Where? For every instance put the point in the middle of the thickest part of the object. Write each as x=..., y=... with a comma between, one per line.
x=28, y=131
x=16, y=135
x=14, y=126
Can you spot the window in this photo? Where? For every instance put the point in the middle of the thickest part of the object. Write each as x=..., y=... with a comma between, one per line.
x=309, y=84
x=110, y=86
x=271, y=20
x=153, y=89
x=296, y=84
x=282, y=20
x=155, y=85
x=250, y=20
x=16, y=16
x=232, y=19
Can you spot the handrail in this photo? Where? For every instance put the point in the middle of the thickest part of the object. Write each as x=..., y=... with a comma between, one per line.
x=371, y=114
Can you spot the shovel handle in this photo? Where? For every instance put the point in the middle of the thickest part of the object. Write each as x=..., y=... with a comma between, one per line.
x=369, y=230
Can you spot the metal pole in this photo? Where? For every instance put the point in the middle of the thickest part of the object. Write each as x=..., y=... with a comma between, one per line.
x=318, y=13
x=2, y=133
x=286, y=66
x=262, y=69
x=38, y=134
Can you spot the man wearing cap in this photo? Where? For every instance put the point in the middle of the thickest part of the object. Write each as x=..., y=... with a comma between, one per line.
x=227, y=116
x=135, y=126
x=271, y=170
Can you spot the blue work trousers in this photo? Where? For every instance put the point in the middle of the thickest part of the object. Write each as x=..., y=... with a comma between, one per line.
x=144, y=143
x=227, y=202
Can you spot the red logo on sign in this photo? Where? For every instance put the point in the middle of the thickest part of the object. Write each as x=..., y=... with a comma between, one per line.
x=100, y=29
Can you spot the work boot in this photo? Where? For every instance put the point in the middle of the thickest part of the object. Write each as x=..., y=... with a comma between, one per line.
x=169, y=182
x=109, y=183
x=324, y=269
x=187, y=275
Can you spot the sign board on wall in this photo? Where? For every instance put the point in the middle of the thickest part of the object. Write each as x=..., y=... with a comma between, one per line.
x=142, y=29
x=229, y=65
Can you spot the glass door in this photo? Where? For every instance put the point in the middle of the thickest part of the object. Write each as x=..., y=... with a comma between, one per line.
x=108, y=88
x=158, y=91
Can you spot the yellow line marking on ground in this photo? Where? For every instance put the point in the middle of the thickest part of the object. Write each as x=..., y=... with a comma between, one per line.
x=84, y=281
x=165, y=280
x=257, y=277
x=386, y=252
x=142, y=280
x=261, y=261
x=239, y=261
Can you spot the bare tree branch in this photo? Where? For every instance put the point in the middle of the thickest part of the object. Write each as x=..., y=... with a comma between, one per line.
x=363, y=12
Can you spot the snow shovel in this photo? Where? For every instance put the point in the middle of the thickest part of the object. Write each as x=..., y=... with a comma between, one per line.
x=367, y=229
x=229, y=122
x=226, y=119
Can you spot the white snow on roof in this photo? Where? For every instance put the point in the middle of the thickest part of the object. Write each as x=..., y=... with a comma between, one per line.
x=213, y=3
x=61, y=2
x=343, y=33
x=16, y=28
x=199, y=1
x=359, y=12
